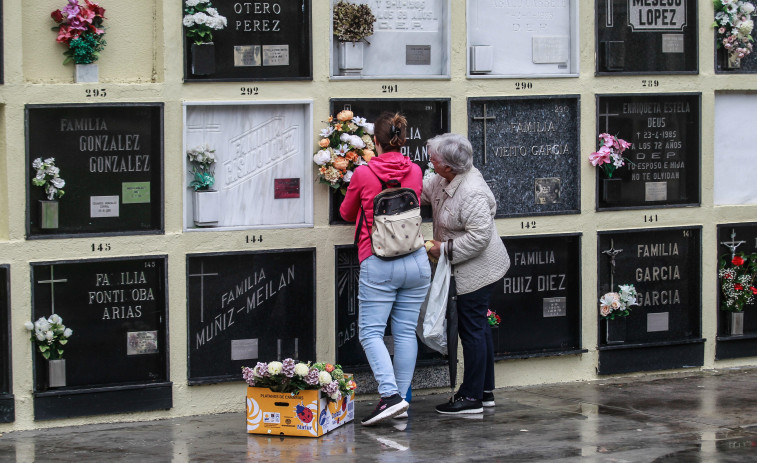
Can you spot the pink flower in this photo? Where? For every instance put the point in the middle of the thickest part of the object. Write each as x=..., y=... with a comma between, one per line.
x=600, y=157
x=609, y=140
x=604, y=311
x=623, y=145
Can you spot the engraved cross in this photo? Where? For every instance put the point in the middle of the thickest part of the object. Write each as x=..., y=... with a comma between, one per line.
x=612, y=252
x=606, y=116
x=52, y=282
x=202, y=276
x=608, y=18
x=484, y=118
x=733, y=244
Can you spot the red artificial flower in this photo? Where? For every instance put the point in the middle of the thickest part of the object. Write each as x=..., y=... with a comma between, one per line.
x=57, y=16
x=754, y=290
x=498, y=319
x=738, y=287
x=97, y=9
x=737, y=261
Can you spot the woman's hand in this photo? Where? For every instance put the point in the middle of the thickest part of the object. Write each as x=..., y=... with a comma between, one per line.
x=436, y=250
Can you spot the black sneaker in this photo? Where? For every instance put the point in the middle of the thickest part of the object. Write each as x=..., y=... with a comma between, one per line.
x=386, y=408
x=460, y=405
x=488, y=400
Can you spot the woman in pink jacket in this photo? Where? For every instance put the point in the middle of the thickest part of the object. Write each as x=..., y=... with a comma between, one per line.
x=387, y=288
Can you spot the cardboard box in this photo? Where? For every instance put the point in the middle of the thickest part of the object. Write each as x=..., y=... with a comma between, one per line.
x=304, y=414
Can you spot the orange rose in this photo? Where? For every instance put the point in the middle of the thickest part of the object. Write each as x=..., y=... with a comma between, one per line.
x=324, y=143
x=331, y=119
x=345, y=116
x=367, y=155
x=341, y=163
x=351, y=156
x=329, y=367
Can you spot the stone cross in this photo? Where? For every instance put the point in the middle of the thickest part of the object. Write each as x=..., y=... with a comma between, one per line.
x=52, y=282
x=202, y=276
x=484, y=118
x=612, y=252
x=733, y=244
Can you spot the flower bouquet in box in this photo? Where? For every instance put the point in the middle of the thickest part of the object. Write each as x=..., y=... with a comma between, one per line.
x=80, y=28
x=609, y=156
x=345, y=144
x=292, y=377
x=733, y=26
x=616, y=305
x=737, y=281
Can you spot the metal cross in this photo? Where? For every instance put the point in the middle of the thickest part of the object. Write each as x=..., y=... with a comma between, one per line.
x=608, y=19
x=607, y=115
x=733, y=244
x=484, y=118
x=202, y=276
x=348, y=278
x=52, y=282
x=296, y=348
x=612, y=252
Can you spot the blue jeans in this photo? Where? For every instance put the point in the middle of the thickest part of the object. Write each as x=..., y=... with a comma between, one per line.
x=476, y=338
x=392, y=288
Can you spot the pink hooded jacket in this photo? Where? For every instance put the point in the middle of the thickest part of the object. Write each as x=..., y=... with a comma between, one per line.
x=364, y=186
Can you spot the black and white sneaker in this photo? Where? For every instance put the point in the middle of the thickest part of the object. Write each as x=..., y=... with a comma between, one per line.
x=488, y=400
x=386, y=408
x=460, y=405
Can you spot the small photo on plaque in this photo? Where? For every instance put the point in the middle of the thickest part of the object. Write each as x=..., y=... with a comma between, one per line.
x=275, y=55
x=247, y=55
x=103, y=206
x=284, y=188
x=141, y=342
x=547, y=190
x=418, y=55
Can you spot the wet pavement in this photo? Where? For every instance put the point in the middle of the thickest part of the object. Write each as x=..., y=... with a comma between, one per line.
x=702, y=417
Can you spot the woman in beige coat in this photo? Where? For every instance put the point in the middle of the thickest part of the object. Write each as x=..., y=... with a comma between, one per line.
x=463, y=210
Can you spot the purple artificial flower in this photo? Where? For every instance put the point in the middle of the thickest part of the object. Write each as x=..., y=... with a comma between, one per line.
x=288, y=368
x=312, y=377
x=261, y=370
x=249, y=375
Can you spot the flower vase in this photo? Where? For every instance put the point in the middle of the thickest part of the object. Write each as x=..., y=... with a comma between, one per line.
x=736, y=323
x=48, y=214
x=56, y=373
x=733, y=61
x=615, y=330
x=207, y=208
x=203, y=59
x=611, y=189
x=86, y=73
x=351, y=58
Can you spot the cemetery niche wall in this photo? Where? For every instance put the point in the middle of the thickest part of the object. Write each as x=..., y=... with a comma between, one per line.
x=111, y=159
x=666, y=31
x=116, y=361
x=507, y=39
x=539, y=299
x=426, y=118
x=665, y=330
x=7, y=404
x=263, y=168
x=665, y=156
x=248, y=307
x=261, y=41
x=737, y=331
x=527, y=149
x=409, y=40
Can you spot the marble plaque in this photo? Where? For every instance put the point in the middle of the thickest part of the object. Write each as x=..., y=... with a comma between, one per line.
x=666, y=31
x=247, y=55
x=554, y=306
x=664, y=131
x=658, y=321
x=410, y=39
x=527, y=149
x=142, y=342
x=735, y=150
x=527, y=38
x=103, y=206
x=244, y=349
x=275, y=55
x=257, y=147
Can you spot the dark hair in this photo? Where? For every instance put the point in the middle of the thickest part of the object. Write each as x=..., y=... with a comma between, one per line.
x=390, y=130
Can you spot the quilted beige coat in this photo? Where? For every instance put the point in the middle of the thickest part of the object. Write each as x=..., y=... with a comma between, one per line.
x=464, y=212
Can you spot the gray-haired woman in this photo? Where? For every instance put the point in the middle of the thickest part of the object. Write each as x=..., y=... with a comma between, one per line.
x=463, y=210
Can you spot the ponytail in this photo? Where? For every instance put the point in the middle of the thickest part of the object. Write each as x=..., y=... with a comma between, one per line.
x=391, y=131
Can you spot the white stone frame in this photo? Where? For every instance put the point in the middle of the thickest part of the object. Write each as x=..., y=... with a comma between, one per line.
x=573, y=49
x=446, y=47
x=306, y=183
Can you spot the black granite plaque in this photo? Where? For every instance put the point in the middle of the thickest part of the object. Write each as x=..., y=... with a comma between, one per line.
x=539, y=299
x=664, y=130
x=747, y=65
x=349, y=352
x=262, y=41
x=246, y=307
x=739, y=238
x=7, y=413
x=665, y=31
x=118, y=313
x=426, y=119
x=527, y=149
x=664, y=265
x=111, y=158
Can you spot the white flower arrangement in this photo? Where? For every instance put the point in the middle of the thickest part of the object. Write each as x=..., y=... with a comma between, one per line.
x=202, y=158
x=345, y=144
x=50, y=335
x=201, y=19
x=48, y=177
x=734, y=25
x=614, y=305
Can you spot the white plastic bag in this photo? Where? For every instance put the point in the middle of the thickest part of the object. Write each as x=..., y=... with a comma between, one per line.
x=432, y=325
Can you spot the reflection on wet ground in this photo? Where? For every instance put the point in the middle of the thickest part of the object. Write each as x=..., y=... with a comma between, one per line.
x=704, y=417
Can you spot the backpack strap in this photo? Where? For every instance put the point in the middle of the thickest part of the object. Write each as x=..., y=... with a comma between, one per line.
x=392, y=183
